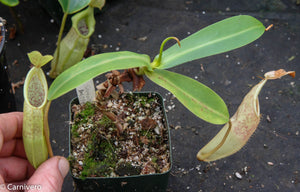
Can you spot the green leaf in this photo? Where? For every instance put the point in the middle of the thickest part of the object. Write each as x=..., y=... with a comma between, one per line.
x=198, y=98
x=10, y=3
x=38, y=60
x=72, y=6
x=217, y=38
x=94, y=66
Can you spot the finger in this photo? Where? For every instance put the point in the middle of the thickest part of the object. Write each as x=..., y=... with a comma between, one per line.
x=15, y=169
x=13, y=147
x=2, y=185
x=50, y=174
x=11, y=125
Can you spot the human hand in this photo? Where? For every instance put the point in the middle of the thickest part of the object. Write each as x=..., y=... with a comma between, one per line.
x=16, y=173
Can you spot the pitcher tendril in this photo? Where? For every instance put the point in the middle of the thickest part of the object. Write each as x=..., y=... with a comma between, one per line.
x=158, y=61
x=205, y=155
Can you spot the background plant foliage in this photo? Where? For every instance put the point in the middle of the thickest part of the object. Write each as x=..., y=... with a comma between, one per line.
x=10, y=3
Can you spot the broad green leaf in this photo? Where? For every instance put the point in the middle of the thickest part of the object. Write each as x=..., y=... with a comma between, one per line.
x=10, y=3
x=217, y=38
x=94, y=66
x=38, y=60
x=198, y=98
x=235, y=134
x=72, y=6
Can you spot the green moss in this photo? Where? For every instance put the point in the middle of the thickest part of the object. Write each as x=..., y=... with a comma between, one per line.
x=106, y=122
x=94, y=168
x=100, y=160
x=144, y=132
x=146, y=100
x=74, y=130
x=154, y=159
x=130, y=98
x=83, y=117
x=89, y=110
x=143, y=100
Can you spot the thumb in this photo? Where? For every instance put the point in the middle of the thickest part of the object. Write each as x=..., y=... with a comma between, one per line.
x=50, y=175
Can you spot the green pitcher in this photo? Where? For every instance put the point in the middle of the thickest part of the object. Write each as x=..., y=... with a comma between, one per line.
x=75, y=43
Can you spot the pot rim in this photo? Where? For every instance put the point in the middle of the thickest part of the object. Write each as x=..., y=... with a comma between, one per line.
x=130, y=176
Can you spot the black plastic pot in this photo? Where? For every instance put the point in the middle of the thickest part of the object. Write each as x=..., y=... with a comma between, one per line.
x=139, y=183
x=7, y=101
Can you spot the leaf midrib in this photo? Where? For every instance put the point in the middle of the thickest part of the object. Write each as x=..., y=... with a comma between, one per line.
x=190, y=96
x=206, y=44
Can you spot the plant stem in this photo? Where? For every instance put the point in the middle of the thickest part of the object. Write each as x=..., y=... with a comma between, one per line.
x=62, y=26
x=46, y=129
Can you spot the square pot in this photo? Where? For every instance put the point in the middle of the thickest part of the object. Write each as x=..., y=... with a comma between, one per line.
x=152, y=182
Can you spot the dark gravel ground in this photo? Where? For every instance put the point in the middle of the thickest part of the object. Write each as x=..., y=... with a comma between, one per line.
x=270, y=161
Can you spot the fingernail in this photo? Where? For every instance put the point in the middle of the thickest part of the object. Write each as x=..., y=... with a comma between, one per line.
x=63, y=166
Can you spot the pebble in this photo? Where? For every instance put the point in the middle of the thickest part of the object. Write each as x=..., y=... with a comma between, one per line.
x=177, y=127
x=143, y=38
x=238, y=175
x=270, y=163
x=198, y=167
